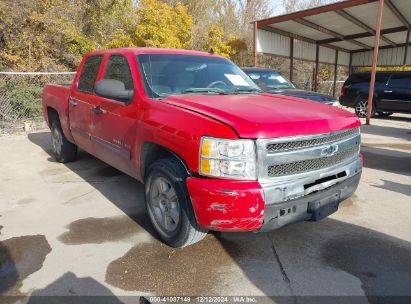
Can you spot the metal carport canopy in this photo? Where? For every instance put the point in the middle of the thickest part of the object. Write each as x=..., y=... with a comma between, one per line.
x=340, y=33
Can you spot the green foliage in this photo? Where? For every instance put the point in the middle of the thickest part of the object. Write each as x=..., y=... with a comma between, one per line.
x=76, y=43
x=24, y=99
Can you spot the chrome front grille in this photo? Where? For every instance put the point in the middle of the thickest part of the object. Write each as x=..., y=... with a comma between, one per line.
x=311, y=164
x=305, y=143
x=298, y=156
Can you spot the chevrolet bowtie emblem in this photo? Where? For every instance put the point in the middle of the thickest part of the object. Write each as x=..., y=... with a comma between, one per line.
x=329, y=151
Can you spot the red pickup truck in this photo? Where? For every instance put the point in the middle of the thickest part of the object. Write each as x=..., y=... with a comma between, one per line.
x=213, y=151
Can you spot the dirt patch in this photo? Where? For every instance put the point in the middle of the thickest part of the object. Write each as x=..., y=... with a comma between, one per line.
x=55, y=171
x=193, y=270
x=350, y=205
x=20, y=257
x=155, y=267
x=24, y=201
x=1, y=227
x=349, y=202
x=99, y=230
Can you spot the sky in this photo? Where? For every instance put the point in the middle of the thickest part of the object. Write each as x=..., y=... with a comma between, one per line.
x=278, y=8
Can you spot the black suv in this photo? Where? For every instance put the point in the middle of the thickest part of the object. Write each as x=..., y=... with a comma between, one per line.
x=392, y=93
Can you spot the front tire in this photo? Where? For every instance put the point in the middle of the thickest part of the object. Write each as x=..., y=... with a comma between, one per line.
x=361, y=108
x=169, y=205
x=64, y=151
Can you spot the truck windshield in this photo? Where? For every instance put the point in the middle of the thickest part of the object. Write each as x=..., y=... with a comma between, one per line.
x=270, y=80
x=173, y=74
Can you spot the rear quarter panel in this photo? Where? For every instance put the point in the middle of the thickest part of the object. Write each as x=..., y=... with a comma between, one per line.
x=57, y=97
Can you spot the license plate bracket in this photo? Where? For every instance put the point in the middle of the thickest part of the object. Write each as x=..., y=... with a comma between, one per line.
x=324, y=207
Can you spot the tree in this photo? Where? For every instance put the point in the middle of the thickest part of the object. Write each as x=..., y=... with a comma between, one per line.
x=55, y=34
x=162, y=25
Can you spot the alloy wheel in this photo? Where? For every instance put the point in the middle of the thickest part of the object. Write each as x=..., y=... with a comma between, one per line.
x=361, y=108
x=164, y=204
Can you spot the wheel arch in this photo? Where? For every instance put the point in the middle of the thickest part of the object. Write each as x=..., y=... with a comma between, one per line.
x=150, y=152
x=52, y=114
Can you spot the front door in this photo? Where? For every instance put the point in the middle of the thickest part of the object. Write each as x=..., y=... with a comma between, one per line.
x=81, y=102
x=114, y=120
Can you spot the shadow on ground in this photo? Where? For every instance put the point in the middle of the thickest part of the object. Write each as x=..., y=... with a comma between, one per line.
x=387, y=160
x=394, y=118
x=301, y=259
x=395, y=187
x=20, y=257
x=400, y=133
x=70, y=289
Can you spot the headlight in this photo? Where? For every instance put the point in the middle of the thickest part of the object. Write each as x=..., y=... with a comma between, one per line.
x=228, y=158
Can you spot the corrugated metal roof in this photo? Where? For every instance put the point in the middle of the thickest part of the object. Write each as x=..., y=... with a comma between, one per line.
x=368, y=13
x=346, y=26
x=334, y=22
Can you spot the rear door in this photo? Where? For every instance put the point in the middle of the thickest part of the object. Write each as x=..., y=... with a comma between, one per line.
x=396, y=96
x=81, y=102
x=114, y=121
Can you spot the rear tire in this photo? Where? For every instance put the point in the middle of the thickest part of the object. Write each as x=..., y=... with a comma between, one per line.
x=361, y=108
x=169, y=206
x=63, y=150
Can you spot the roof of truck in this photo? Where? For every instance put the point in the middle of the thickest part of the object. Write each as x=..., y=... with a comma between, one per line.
x=144, y=50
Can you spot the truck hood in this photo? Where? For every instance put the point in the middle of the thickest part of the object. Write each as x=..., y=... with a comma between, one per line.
x=267, y=116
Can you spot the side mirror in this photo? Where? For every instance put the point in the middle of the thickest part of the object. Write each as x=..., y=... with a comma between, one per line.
x=113, y=89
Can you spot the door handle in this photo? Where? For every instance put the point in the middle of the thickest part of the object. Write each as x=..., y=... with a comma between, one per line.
x=98, y=110
x=387, y=91
x=73, y=103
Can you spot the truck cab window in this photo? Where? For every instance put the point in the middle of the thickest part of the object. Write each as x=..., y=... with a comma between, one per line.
x=89, y=74
x=118, y=69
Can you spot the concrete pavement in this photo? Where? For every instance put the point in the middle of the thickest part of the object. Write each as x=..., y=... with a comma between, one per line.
x=82, y=229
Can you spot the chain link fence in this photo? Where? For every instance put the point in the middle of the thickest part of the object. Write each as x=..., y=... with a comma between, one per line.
x=20, y=99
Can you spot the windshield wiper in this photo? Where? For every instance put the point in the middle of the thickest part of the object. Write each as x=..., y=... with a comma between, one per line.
x=236, y=91
x=205, y=90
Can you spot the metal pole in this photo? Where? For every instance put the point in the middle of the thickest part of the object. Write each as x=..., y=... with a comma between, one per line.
x=374, y=60
x=335, y=71
x=291, y=58
x=255, y=44
x=317, y=57
x=406, y=48
x=350, y=65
